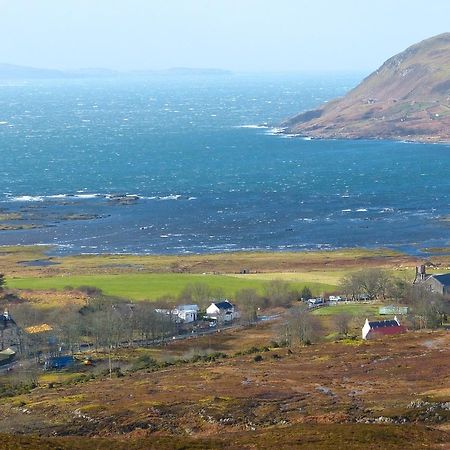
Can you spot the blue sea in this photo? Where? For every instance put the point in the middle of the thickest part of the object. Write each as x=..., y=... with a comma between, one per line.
x=211, y=173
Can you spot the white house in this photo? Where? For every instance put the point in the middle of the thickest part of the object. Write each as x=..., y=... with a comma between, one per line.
x=222, y=311
x=186, y=313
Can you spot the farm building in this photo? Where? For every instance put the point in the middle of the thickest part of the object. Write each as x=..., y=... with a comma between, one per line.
x=381, y=328
x=438, y=283
x=186, y=313
x=222, y=311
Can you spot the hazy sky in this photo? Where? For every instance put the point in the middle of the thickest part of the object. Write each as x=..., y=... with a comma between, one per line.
x=249, y=35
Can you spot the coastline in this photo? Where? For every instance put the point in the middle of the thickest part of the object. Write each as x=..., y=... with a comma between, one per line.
x=362, y=137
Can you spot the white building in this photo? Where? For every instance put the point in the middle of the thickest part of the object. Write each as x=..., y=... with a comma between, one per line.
x=222, y=311
x=186, y=313
x=381, y=328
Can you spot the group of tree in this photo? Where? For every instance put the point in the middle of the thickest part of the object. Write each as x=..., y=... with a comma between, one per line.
x=103, y=322
x=426, y=309
x=368, y=284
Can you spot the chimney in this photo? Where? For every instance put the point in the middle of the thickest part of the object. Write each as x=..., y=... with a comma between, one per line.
x=421, y=273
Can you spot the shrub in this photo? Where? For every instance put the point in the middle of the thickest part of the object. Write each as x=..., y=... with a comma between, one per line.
x=258, y=358
x=144, y=362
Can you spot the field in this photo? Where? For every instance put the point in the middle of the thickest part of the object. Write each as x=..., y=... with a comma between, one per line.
x=140, y=277
x=350, y=309
x=150, y=286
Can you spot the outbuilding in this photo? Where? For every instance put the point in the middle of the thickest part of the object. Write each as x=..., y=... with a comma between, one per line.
x=381, y=328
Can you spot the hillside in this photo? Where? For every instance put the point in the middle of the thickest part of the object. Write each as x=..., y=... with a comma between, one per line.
x=407, y=98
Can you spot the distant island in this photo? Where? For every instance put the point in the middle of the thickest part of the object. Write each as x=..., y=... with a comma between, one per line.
x=407, y=98
x=15, y=72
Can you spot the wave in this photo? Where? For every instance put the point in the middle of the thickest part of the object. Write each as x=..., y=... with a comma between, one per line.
x=27, y=198
x=170, y=197
x=275, y=131
x=260, y=126
x=90, y=196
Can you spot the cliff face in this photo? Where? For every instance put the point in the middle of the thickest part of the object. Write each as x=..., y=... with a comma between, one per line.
x=407, y=98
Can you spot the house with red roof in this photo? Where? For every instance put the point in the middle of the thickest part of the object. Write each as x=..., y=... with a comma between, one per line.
x=380, y=328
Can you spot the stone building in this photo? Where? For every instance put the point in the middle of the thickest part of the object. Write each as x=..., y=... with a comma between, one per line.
x=10, y=333
x=438, y=284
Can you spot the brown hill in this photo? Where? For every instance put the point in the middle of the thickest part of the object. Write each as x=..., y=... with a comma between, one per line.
x=407, y=98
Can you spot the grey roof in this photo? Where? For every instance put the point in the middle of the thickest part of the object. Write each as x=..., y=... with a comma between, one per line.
x=187, y=307
x=444, y=279
x=224, y=305
x=384, y=324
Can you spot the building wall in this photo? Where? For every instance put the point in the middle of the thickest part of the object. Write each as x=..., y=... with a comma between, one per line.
x=434, y=286
x=9, y=336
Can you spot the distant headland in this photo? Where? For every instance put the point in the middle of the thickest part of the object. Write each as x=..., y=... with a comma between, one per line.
x=17, y=72
x=407, y=98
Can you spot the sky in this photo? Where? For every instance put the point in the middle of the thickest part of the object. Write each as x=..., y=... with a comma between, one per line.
x=238, y=35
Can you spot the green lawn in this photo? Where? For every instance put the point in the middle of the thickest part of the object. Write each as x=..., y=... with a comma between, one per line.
x=148, y=286
x=353, y=309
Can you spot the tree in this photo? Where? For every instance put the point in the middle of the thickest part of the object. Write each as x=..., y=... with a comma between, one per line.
x=427, y=309
x=249, y=302
x=373, y=283
x=197, y=293
x=342, y=323
x=306, y=293
x=278, y=293
x=302, y=326
x=2, y=281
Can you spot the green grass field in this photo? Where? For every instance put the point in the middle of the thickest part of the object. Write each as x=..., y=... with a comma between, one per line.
x=150, y=286
x=352, y=309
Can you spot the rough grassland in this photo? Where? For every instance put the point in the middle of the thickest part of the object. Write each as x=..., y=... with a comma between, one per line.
x=306, y=437
x=12, y=261
x=315, y=397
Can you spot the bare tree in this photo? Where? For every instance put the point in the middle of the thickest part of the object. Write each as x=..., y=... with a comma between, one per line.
x=342, y=323
x=197, y=293
x=279, y=293
x=301, y=326
x=427, y=309
x=373, y=283
x=248, y=301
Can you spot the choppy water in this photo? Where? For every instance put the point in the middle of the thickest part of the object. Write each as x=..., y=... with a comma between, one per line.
x=208, y=176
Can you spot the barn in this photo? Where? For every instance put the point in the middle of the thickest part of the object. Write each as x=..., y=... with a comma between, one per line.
x=380, y=328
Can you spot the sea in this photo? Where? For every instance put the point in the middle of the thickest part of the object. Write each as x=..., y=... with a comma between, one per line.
x=205, y=170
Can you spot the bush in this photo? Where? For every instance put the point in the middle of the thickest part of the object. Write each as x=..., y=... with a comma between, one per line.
x=258, y=358
x=251, y=350
x=144, y=362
